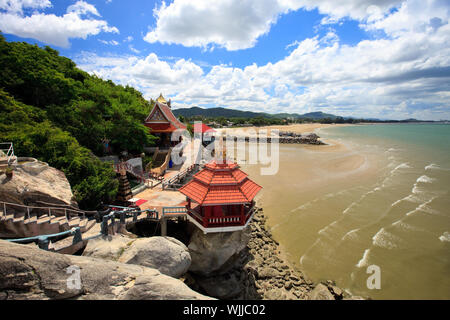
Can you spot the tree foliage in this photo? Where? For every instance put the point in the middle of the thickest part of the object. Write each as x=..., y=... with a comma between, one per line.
x=59, y=114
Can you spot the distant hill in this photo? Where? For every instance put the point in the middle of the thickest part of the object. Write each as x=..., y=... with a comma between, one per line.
x=231, y=113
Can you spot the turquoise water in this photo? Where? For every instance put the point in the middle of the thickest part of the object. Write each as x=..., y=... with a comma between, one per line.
x=430, y=141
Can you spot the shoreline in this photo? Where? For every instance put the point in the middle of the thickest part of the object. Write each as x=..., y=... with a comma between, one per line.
x=347, y=163
x=261, y=271
x=290, y=282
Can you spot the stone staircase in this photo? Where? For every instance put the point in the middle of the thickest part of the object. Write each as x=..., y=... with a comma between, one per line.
x=19, y=226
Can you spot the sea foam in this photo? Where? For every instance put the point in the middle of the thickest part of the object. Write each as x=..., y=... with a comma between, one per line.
x=445, y=237
x=425, y=179
x=364, y=260
x=385, y=239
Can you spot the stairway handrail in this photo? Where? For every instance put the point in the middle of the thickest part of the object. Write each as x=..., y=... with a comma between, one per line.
x=4, y=203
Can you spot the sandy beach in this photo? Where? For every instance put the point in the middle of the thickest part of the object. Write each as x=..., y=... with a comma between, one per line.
x=296, y=128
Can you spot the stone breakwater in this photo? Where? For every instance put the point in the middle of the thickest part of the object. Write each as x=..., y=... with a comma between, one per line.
x=284, y=137
x=259, y=271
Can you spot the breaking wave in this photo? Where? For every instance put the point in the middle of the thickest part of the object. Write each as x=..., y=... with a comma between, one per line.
x=385, y=239
x=445, y=237
x=424, y=179
x=404, y=165
x=364, y=260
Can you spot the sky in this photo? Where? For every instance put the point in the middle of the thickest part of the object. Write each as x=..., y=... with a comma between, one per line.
x=385, y=59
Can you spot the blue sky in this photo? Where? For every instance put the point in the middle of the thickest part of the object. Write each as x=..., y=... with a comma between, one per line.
x=385, y=59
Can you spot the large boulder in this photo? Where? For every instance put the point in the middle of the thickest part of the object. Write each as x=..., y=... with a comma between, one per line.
x=321, y=292
x=215, y=252
x=225, y=286
x=30, y=273
x=166, y=254
x=107, y=247
x=36, y=181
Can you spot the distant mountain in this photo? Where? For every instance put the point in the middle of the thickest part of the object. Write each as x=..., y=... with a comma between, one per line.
x=231, y=113
x=318, y=115
x=217, y=112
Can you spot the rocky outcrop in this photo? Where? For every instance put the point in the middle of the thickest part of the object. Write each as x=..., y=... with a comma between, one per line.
x=215, y=252
x=30, y=273
x=166, y=254
x=259, y=271
x=320, y=292
x=36, y=181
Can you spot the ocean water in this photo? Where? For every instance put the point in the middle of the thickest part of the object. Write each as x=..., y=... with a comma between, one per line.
x=380, y=196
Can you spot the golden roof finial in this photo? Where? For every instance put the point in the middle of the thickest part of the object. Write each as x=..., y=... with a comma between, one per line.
x=161, y=99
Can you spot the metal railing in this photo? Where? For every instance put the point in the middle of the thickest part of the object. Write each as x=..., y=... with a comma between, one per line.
x=44, y=240
x=108, y=220
x=67, y=211
x=221, y=221
x=172, y=183
x=9, y=151
x=173, y=210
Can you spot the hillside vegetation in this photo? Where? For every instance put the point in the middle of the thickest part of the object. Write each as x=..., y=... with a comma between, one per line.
x=59, y=114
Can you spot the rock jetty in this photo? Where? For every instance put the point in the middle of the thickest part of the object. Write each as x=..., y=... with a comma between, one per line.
x=283, y=137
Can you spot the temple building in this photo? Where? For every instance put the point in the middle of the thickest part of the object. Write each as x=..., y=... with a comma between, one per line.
x=162, y=122
x=220, y=197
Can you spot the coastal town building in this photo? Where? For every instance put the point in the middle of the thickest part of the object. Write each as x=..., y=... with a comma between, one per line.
x=220, y=197
x=162, y=122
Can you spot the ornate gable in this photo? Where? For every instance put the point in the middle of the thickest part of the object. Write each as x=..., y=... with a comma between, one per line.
x=156, y=115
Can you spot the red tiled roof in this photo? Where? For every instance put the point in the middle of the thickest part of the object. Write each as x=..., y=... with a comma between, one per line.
x=160, y=127
x=202, y=128
x=221, y=184
x=172, y=122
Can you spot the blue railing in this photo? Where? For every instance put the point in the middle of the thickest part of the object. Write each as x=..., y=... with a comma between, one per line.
x=107, y=220
x=43, y=240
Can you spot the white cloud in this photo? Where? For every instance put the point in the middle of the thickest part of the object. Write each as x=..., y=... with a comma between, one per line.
x=81, y=7
x=403, y=75
x=237, y=24
x=111, y=42
x=232, y=24
x=336, y=10
x=133, y=49
x=17, y=6
x=49, y=28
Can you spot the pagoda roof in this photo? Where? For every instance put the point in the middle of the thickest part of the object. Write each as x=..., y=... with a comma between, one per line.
x=221, y=184
x=202, y=128
x=161, y=119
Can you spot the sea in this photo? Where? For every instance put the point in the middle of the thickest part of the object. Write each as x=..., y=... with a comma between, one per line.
x=371, y=210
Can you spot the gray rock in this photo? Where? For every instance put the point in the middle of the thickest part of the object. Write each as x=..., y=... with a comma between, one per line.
x=36, y=181
x=275, y=294
x=337, y=291
x=107, y=248
x=31, y=273
x=321, y=292
x=226, y=286
x=166, y=254
x=215, y=252
x=267, y=272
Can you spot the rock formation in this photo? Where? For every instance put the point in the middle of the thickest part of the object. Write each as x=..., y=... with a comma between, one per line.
x=36, y=181
x=213, y=252
x=254, y=269
x=166, y=254
x=30, y=273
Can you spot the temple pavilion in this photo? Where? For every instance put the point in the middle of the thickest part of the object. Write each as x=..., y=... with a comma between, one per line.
x=220, y=197
x=162, y=122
